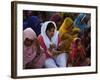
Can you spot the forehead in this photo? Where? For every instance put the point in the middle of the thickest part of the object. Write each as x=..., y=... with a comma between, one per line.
x=51, y=29
x=27, y=39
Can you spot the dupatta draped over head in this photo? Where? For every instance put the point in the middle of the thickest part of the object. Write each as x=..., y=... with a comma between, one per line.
x=29, y=53
x=54, y=39
x=32, y=57
x=66, y=24
x=77, y=53
x=66, y=34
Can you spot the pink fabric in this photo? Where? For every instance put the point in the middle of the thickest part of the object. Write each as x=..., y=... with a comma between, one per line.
x=39, y=61
x=32, y=57
x=29, y=55
x=29, y=52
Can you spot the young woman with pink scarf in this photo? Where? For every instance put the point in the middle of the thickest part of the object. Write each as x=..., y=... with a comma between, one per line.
x=33, y=54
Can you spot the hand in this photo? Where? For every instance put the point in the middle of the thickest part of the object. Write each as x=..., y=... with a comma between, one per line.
x=50, y=52
x=64, y=52
x=52, y=46
x=61, y=45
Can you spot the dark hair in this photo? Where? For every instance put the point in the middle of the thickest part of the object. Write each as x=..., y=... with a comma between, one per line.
x=50, y=26
x=77, y=41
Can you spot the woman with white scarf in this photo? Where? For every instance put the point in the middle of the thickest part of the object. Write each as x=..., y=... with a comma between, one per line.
x=50, y=41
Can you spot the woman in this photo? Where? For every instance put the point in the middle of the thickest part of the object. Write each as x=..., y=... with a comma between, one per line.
x=33, y=56
x=68, y=32
x=49, y=40
x=77, y=56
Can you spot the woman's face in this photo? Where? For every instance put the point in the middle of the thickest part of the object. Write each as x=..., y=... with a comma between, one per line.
x=28, y=42
x=50, y=33
x=78, y=42
x=70, y=27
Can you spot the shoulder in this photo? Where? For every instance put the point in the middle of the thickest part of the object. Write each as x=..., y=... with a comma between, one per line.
x=40, y=37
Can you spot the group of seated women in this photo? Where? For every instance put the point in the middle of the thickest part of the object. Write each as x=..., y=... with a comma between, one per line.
x=52, y=47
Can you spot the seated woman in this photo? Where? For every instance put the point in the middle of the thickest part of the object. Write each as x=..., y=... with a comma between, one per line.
x=33, y=56
x=50, y=41
x=77, y=56
x=68, y=32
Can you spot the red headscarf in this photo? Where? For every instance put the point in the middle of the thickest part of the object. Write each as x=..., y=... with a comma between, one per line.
x=77, y=53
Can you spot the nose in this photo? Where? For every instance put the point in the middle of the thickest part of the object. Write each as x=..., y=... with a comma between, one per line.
x=52, y=33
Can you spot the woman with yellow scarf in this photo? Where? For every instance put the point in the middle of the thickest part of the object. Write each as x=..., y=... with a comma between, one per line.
x=67, y=33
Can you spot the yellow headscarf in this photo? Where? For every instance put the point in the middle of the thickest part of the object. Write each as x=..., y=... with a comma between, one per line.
x=67, y=35
x=68, y=22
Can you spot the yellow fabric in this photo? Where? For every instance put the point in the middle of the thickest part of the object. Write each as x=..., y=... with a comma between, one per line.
x=66, y=35
x=66, y=24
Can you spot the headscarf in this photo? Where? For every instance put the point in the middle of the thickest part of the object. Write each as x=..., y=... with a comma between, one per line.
x=68, y=22
x=66, y=34
x=29, y=52
x=54, y=39
x=77, y=52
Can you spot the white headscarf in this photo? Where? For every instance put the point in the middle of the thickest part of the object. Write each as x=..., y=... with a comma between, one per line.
x=54, y=39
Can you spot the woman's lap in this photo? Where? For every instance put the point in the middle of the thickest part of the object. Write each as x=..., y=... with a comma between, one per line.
x=58, y=61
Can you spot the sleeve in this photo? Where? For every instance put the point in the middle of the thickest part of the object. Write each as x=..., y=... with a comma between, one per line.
x=40, y=39
x=59, y=39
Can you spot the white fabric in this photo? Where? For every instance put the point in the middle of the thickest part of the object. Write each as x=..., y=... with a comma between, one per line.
x=45, y=37
x=62, y=60
x=50, y=63
x=59, y=61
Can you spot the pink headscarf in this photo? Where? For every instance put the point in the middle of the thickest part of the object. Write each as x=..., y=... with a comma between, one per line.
x=29, y=52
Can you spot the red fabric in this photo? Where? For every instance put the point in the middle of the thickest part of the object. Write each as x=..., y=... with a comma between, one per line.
x=40, y=39
x=77, y=55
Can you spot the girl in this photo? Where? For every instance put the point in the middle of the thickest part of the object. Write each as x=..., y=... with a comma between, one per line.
x=49, y=40
x=33, y=56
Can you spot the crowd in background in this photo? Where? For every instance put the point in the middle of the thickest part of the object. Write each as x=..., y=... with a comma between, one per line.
x=56, y=39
